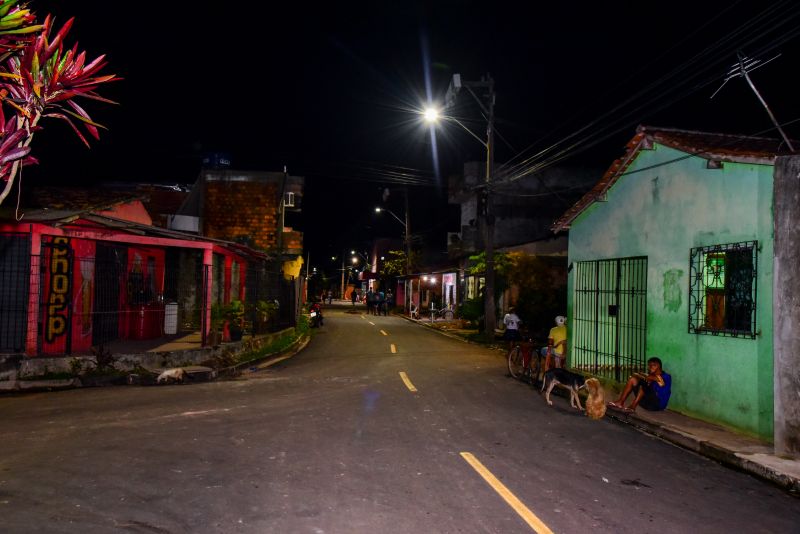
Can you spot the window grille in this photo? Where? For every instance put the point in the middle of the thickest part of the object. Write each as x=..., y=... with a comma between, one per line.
x=722, y=290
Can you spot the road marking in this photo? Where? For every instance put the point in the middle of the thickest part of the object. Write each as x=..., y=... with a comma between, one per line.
x=384, y=332
x=370, y=322
x=534, y=522
x=394, y=349
x=408, y=383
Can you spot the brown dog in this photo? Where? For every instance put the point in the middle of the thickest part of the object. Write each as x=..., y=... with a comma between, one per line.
x=595, y=402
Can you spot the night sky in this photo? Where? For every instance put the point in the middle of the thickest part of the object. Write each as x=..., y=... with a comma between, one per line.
x=330, y=91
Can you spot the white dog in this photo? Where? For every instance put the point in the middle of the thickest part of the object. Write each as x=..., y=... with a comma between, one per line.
x=171, y=375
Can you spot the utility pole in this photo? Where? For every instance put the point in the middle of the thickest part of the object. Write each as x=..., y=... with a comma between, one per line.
x=282, y=216
x=490, y=321
x=408, y=236
x=341, y=295
x=484, y=191
x=308, y=264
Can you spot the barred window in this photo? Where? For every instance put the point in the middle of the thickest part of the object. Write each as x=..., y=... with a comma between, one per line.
x=722, y=291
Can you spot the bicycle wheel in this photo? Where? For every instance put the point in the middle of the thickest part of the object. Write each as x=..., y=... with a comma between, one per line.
x=535, y=367
x=447, y=315
x=515, y=363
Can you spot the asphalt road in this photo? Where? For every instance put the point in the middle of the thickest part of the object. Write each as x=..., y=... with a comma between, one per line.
x=334, y=440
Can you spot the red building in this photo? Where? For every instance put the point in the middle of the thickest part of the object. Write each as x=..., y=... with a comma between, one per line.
x=74, y=276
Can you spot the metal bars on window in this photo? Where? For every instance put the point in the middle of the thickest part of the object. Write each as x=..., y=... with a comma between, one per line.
x=723, y=289
x=610, y=317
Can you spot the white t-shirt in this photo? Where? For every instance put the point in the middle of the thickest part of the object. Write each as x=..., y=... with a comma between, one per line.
x=511, y=320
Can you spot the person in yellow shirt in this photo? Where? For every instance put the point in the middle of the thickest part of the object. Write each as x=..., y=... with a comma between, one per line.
x=557, y=343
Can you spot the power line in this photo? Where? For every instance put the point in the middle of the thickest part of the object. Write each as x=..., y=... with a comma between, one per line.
x=629, y=78
x=768, y=20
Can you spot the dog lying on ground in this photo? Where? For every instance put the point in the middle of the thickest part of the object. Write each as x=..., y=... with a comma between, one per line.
x=561, y=377
x=595, y=402
x=171, y=375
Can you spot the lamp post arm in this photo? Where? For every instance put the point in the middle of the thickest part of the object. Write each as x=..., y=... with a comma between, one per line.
x=473, y=134
x=478, y=100
x=390, y=212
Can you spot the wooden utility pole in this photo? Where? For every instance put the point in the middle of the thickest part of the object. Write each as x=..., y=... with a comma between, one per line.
x=483, y=191
x=408, y=236
x=490, y=321
x=341, y=295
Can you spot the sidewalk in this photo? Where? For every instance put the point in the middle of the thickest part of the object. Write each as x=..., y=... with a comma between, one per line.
x=725, y=446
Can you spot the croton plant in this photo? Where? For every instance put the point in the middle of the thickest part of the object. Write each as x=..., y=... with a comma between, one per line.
x=40, y=77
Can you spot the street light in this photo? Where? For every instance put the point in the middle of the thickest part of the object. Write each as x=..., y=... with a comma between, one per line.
x=432, y=115
x=378, y=210
x=354, y=253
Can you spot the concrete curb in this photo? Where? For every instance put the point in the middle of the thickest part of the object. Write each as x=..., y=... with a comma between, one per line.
x=709, y=449
x=268, y=359
x=452, y=336
x=32, y=386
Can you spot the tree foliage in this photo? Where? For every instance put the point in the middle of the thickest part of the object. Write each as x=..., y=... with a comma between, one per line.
x=395, y=263
x=40, y=78
x=541, y=284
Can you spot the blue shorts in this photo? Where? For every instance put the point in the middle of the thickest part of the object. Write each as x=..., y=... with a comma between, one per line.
x=650, y=400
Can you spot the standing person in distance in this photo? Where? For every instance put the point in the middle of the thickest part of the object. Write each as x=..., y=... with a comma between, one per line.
x=511, y=322
x=389, y=302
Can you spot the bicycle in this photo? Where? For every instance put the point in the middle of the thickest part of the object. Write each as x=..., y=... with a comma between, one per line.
x=443, y=313
x=520, y=362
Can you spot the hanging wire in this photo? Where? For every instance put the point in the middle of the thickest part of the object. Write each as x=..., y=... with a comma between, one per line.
x=766, y=22
x=628, y=79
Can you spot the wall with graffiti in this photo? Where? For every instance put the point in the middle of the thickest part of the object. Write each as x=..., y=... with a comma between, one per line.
x=67, y=295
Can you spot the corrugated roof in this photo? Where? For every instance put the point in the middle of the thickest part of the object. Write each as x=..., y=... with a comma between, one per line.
x=710, y=146
x=78, y=199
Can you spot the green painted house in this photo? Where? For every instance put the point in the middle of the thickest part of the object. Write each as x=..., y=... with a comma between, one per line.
x=671, y=255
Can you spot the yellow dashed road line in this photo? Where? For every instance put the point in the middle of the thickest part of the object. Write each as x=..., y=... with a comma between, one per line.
x=394, y=349
x=408, y=383
x=384, y=332
x=534, y=522
x=370, y=322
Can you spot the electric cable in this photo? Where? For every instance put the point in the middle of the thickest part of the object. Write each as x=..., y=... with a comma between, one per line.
x=527, y=166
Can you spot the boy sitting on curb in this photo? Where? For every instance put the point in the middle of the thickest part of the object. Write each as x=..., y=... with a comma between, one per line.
x=652, y=390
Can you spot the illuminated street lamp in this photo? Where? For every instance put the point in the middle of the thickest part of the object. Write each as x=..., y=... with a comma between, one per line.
x=431, y=114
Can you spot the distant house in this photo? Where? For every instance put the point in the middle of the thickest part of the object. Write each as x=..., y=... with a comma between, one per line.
x=671, y=255
x=523, y=208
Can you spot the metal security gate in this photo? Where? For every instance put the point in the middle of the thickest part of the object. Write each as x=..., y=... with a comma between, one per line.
x=15, y=277
x=610, y=317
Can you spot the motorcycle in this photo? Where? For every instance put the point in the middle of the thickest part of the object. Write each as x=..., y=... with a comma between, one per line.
x=315, y=315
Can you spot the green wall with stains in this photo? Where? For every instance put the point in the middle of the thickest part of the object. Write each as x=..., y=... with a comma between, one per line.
x=662, y=212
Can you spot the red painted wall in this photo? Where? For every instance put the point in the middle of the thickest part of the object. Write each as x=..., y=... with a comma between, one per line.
x=68, y=294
